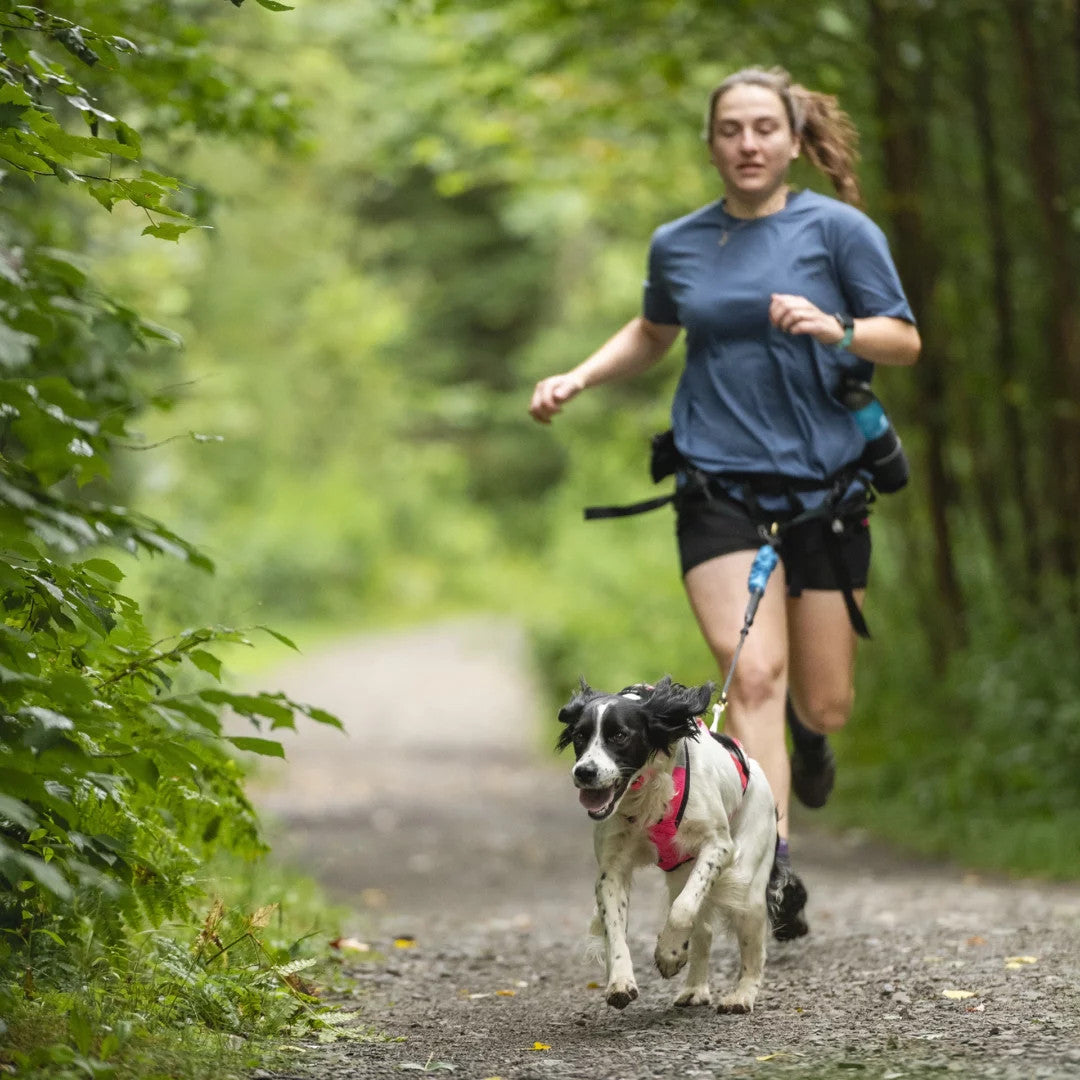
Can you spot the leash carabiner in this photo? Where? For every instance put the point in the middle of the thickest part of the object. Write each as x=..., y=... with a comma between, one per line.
x=764, y=563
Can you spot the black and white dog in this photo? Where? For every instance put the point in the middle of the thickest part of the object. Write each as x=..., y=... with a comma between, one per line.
x=663, y=791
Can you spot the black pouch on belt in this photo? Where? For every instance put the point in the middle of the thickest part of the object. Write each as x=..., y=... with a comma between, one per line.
x=665, y=459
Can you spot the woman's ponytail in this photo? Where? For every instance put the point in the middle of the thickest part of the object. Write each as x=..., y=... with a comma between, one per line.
x=829, y=140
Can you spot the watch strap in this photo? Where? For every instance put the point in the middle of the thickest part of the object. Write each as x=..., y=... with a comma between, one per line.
x=847, y=324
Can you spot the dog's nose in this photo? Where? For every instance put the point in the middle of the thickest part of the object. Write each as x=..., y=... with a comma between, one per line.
x=585, y=772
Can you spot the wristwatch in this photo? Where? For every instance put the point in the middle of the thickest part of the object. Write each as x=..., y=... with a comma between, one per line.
x=847, y=324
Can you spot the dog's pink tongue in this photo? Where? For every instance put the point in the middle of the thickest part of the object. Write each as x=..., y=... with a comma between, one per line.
x=594, y=800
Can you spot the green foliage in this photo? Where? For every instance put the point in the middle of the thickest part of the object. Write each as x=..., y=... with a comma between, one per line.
x=209, y=998
x=117, y=778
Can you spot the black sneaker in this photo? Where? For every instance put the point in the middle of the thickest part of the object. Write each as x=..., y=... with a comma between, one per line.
x=787, y=903
x=813, y=764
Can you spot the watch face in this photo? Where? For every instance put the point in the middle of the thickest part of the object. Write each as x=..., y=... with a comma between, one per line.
x=844, y=320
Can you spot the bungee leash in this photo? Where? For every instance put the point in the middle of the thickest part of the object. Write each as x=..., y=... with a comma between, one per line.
x=764, y=563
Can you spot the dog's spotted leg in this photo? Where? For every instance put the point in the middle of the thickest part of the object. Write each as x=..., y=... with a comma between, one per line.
x=673, y=944
x=750, y=927
x=613, y=909
x=697, y=990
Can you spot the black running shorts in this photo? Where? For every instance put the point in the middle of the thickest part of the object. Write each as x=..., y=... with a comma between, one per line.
x=712, y=525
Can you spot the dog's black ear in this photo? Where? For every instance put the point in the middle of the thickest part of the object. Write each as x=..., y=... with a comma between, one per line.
x=673, y=710
x=571, y=712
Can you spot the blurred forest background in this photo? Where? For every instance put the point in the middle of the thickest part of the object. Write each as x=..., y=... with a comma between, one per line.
x=466, y=208
x=448, y=199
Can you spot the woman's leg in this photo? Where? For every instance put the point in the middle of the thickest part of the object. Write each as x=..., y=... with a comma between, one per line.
x=822, y=658
x=718, y=595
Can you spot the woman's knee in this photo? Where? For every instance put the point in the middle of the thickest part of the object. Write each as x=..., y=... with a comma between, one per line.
x=826, y=713
x=758, y=681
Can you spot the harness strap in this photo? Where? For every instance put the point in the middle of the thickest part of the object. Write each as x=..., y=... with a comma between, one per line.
x=738, y=755
x=834, y=506
x=662, y=834
x=755, y=484
x=593, y=513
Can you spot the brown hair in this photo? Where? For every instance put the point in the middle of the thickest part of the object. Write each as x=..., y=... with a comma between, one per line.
x=827, y=134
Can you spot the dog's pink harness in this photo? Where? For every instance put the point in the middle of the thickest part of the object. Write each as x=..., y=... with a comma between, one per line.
x=662, y=834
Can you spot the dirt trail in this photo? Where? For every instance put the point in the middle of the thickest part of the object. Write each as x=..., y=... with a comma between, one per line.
x=442, y=816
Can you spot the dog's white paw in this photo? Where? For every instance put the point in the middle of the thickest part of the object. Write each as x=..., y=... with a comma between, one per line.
x=694, y=995
x=620, y=992
x=738, y=1001
x=672, y=951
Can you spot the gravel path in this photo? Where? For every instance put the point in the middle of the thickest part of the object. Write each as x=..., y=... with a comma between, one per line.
x=442, y=818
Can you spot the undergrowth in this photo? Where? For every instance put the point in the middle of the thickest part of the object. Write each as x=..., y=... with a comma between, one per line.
x=209, y=999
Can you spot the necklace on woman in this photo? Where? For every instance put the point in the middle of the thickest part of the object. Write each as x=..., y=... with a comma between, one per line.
x=725, y=234
x=731, y=225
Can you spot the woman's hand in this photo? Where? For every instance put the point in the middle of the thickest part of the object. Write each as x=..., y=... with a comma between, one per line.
x=881, y=339
x=637, y=346
x=552, y=393
x=796, y=315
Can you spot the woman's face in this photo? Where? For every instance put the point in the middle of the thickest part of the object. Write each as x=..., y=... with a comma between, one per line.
x=751, y=142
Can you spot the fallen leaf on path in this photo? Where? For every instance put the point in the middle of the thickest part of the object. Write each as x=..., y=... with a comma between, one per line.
x=976, y=939
x=592, y=986
x=350, y=944
x=957, y=995
x=1014, y=963
x=406, y=941
x=773, y=1057
x=506, y=993
x=539, y=1046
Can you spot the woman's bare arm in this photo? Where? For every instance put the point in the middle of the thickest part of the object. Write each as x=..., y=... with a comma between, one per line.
x=637, y=346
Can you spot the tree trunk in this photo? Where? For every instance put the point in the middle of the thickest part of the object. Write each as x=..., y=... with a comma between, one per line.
x=1017, y=474
x=1062, y=480
x=905, y=148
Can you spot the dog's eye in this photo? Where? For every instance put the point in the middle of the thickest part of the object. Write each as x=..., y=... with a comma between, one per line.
x=619, y=737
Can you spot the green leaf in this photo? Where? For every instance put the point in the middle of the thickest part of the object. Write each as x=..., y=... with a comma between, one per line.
x=50, y=934
x=16, y=810
x=274, y=5
x=49, y=719
x=281, y=637
x=49, y=877
x=207, y=662
x=102, y=568
x=266, y=747
x=81, y=1030
x=13, y=93
x=321, y=716
x=252, y=705
x=161, y=179
x=166, y=230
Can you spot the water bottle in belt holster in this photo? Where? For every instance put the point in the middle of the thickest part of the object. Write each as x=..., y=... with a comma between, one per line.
x=884, y=455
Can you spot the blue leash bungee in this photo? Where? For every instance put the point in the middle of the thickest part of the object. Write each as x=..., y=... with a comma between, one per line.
x=764, y=563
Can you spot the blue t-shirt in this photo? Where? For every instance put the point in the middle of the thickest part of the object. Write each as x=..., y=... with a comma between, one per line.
x=753, y=399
